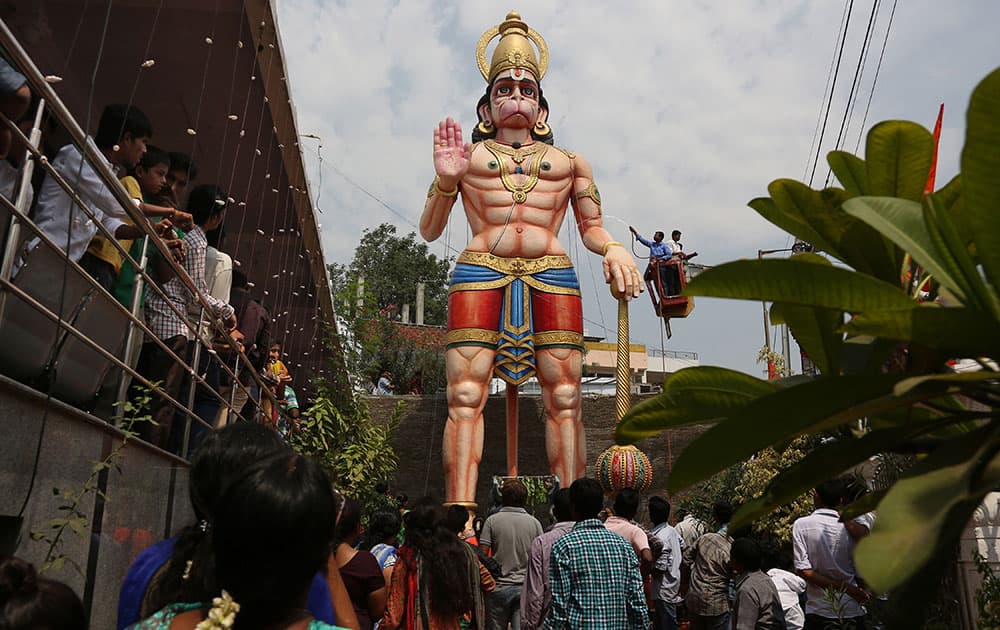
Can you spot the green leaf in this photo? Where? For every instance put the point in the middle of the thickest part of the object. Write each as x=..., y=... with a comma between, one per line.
x=949, y=197
x=795, y=199
x=942, y=382
x=814, y=406
x=862, y=505
x=815, y=330
x=850, y=170
x=898, y=156
x=958, y=331
x=909, y=602
x=798, y=282
x=792, y=223
x=691, y=396
x=825, y=462
x=917, y=507
x=902, y=221
x=980, y=169
x=950, y=245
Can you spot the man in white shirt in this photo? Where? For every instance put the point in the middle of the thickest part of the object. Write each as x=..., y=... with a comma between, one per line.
x=121, y=137
x=666, y=567
x=822, y=547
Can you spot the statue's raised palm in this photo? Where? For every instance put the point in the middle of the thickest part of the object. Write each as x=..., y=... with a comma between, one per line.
x=451, y=156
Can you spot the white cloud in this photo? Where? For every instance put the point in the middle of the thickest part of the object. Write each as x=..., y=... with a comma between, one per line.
x=685, y=109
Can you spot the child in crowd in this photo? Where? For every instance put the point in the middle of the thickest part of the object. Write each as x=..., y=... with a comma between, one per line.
x=183, y=171
x=122, y=134
x=147, y=180
x=275, y=368
x=791, y=587
x=276, y=375
x=757, y=605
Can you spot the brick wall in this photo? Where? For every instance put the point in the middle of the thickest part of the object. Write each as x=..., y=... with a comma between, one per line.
x=418, y=441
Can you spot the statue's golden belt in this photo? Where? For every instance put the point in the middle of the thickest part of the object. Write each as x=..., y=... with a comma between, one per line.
x=515, y=266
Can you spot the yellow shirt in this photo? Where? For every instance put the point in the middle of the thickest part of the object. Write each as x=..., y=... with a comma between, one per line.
x=100, y=246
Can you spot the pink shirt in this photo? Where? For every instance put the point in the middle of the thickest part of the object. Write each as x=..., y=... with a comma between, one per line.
x=631, y=532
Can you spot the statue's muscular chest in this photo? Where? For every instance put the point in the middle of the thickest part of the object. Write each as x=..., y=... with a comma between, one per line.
x=547, y=171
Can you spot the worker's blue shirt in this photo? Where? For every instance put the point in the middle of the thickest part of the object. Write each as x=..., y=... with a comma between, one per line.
x=656, y=250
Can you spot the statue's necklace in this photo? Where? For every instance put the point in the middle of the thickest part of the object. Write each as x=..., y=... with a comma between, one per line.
x=519, y=192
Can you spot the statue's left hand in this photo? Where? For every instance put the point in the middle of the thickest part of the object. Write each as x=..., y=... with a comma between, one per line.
x=621, y=271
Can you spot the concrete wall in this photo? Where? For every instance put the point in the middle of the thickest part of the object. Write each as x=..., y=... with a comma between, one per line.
x=418, y=441
x=146, y=501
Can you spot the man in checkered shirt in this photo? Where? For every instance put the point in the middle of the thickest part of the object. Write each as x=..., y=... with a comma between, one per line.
x=594, y=573
x=165, y=313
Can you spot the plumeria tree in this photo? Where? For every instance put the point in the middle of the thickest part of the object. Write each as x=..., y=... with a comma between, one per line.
x=883, y=349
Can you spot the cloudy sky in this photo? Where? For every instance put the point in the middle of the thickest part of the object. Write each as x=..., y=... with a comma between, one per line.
x=686, y=110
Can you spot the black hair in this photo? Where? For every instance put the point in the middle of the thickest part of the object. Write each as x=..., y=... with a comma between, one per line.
x=455, y=518
x=216, y=237
x=677, y=232
x=831, y=492
x=153, y=157
x=183, y=162
x=775, y=555
x=746, y=552
x=239, y=280
x=659, y=234
x=29, y=601
x=626, y=503
x=443, y=557
x=203, y=203
x=382, y=525
x=722, y=511
x=587, y=498
x=350, y=521
x=659, y=509
x=479, y=136
x=271, y=534
x=562, y=508
x=221, y=456
x=514, y=493
x=117, y=121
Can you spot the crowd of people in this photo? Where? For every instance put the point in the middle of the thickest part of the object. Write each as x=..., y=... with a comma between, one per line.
x=272, y=545
x=189, y=221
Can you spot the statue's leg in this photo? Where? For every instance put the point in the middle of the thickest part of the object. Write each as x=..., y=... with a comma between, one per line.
x=559, y=376
x=469, y=370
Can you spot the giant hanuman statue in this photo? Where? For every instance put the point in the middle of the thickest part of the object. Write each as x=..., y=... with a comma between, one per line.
x=514, y=302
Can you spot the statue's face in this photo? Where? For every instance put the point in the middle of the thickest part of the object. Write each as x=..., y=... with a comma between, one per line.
x=514, y=100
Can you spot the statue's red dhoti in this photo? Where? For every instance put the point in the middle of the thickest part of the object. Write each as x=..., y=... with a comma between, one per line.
x=514, y=303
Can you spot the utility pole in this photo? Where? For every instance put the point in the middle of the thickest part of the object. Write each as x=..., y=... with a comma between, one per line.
x=786, y=347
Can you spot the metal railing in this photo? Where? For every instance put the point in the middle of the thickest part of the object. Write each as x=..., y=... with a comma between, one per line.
x=18, y=207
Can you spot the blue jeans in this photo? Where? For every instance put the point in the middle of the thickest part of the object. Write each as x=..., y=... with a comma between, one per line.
x=664, y=616
x=503, y=606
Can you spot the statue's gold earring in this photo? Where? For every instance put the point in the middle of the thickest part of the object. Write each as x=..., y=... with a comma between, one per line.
x=485, y=127
x=542, y=129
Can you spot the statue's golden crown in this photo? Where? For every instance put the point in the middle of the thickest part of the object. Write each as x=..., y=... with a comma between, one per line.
x=514, y=51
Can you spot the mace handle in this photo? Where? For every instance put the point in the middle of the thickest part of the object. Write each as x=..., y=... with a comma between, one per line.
x=623, y=383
